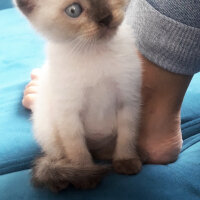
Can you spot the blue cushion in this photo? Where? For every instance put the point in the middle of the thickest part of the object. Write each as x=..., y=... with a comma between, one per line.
x=5, y=4
x=177, y=181
x=21, y=50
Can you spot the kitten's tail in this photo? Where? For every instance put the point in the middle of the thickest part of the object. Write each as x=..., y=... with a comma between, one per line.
x=58, y=174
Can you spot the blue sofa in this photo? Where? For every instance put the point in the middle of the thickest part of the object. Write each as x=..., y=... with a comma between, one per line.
x=21, y=50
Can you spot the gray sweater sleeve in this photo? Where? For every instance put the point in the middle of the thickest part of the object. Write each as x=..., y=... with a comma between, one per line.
x=169, y=43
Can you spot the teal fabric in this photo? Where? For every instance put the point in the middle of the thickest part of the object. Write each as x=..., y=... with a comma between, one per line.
x=21, y=50
x=5, y=4
x=177, y=181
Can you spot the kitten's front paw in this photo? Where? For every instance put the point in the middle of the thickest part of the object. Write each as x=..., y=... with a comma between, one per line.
x=127, y=166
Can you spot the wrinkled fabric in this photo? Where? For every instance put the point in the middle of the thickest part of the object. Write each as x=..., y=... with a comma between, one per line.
x=168, y=34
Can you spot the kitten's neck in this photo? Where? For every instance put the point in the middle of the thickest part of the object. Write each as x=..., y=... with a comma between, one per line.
x=78, y=48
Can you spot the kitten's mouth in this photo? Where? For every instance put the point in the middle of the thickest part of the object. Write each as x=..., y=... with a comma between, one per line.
x=107, y=33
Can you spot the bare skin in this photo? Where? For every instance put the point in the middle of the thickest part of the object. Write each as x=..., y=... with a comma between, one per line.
x=160, y=138
x=31, y=89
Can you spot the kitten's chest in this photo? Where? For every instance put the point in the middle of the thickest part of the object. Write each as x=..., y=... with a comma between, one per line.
x=93, y=93
x=99, y=108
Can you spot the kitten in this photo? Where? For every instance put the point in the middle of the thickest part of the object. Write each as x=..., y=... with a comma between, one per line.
x=88, y=102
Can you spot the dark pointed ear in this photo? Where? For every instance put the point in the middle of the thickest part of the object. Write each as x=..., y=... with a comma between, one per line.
x=127, y=4
x=26, y=6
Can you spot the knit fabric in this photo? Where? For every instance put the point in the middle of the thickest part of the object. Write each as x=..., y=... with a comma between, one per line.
x=170, y=43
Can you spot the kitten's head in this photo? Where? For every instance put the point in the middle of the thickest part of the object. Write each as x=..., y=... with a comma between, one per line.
x=71, y=19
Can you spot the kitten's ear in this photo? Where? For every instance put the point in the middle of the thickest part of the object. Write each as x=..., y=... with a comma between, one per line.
x=127, y=4
x=14, y=3
x=25, y=6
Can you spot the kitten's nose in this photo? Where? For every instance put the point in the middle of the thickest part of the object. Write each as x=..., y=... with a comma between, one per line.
x=106, y=20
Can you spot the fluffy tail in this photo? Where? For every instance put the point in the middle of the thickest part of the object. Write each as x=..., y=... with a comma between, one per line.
x=58, y=174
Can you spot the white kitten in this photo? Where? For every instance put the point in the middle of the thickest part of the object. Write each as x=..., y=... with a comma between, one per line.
x=89, y=94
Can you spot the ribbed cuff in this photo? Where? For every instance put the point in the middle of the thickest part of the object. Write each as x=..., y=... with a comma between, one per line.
x=169, y=44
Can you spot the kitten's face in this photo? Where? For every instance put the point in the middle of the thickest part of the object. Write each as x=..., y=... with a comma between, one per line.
x=71, y=19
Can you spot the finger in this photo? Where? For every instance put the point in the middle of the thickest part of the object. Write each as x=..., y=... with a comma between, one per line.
x=28, y=101
x=32, y=84
x=35, y=73
x=31, y=90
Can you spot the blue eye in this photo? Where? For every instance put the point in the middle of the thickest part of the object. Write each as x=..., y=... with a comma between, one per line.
x=74, y=10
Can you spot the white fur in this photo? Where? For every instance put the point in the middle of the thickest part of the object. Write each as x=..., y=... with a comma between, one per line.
x=90, y=94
